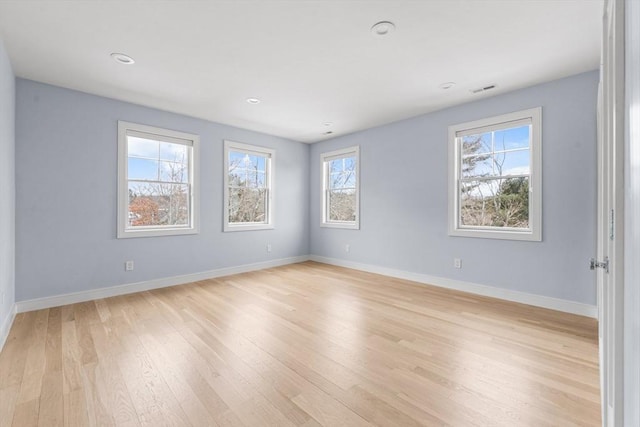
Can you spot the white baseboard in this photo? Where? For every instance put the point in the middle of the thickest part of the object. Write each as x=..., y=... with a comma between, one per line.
x=112, y=291
x=474, y=288
x=5, y=326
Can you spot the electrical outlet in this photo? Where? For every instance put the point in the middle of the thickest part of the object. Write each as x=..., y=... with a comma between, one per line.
x=128, y=266
x=268, y=247
x=457, y=263
x=347, y=248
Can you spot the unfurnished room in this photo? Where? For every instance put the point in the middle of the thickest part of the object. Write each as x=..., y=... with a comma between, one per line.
x=320, y=213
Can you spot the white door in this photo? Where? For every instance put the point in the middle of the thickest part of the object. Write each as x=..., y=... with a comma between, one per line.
x=609, y=263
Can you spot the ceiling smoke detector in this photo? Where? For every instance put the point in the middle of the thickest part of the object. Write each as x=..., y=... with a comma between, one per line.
x=383, y=28
x=121, y=58
x=483, y=89
x=253, y=101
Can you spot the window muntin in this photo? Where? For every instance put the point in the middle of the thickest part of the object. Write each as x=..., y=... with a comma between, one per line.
x=248, y=187
x=497, y=168
x=340, y=171
x=157, y=185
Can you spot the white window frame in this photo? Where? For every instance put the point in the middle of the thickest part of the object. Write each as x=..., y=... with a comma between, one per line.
x=270, y=155
x=534, y=232
x=190, y=140
x=324, y=162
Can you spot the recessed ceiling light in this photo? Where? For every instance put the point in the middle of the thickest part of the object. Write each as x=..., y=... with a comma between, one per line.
x=122, y=58
x=253, y=101
x=383, y=28
x=447, y=85
x=329, y=132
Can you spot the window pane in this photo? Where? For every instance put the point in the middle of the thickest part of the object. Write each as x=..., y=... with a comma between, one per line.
x=342, y=180
x=235, y=180
x=516, y=163
x=235, y=159
x=174, y=152
x=142, y=147
x=489, y=154
x=152, y=204
x=495, y=203
x=342, y=173
x=350, y=164
x=335, y=166
x=247, y=170
x=476, y=144
x=251, y=178
x=247, y=178
x=142, y=169
x=496, y=164
x=247, y=205
x=512, y=138
x=476, y=166
x=342, y=205
x=174, y=172
x=342, y=165
x=245, y=160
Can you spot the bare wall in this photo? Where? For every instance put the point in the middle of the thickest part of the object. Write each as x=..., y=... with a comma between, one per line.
x=66, y=179
x=404, y=197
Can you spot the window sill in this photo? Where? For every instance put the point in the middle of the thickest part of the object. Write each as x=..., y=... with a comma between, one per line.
x=127, y=234
x=247, y=227
x=343, y=225
x=530, y=235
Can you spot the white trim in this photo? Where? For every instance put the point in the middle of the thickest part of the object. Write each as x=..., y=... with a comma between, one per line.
x=334, y=155
x=473, y=288
x=191, y=140
x=534, y=233
x=112, y=291
x=5, y=326
x=270, y=160
x=631, y=322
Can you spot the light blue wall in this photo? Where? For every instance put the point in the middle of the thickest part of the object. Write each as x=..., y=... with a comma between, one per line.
x=7, y=186
x=404, y=197
x=66, y=196
x=66, y=175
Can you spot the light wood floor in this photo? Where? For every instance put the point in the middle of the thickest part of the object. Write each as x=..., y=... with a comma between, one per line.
x=306, y=344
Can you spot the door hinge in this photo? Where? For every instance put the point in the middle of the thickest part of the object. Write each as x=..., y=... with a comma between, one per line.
x=593, y=264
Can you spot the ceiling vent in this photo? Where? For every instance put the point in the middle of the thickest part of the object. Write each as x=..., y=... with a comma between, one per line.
x=483, y=89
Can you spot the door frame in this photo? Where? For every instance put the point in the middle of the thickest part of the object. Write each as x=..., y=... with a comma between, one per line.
x=632, y=216
x=610, y=227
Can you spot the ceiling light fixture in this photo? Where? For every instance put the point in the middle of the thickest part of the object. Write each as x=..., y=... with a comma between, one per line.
x=447, y=85
x=383, y=28
x=329, y=132
x=121, y=58
x=327, y=123
x=253, y=101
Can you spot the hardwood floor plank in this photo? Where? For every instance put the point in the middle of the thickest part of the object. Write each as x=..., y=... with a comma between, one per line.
x=300, y=345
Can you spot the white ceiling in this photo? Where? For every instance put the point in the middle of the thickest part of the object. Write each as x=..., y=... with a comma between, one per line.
x=310, y=62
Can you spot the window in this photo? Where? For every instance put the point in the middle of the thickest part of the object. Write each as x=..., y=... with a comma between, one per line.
x=495, y=177
x=157, y=185
x=340, y=188
x=248, y=187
